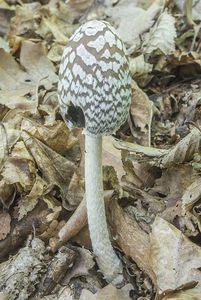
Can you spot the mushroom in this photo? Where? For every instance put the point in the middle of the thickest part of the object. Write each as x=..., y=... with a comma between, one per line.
x=94, y=92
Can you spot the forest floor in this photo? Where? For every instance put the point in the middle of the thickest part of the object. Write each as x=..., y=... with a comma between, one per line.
x=152, y=166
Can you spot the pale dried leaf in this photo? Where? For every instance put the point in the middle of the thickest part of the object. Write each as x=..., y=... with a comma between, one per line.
x=55, y=53
x=147, y=151
x=7, y=194
x=112, y=156
x=139, y=67
x=135, y=19
x=5, y=221
x=12, y=77
x=184, y=149
x=20, y=167
x=24, y=22
x=17, y=99
x=55, y=26
x=175, y=259
x=159, y=37
x=12, y=135
x=141, y=110
x=28, y=202
x=65, y=294
x=178, y=177
x=76, y=189
x=33, y=58
x=4, y=45
x=109, y=292
x=191, y=195
x=57, y=136
x=50, y=107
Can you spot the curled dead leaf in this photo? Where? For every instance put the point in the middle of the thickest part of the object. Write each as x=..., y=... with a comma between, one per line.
x=20, y=167
x=159, y=37
x=7, y=194
x=57, y=136
x=139, y=67
x=28, y=202
x=191, y=195
x=184, y=150
x=56, y=169
x=142, y=111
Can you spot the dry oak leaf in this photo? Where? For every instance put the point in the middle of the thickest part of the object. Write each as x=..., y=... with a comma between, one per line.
x=175, y=260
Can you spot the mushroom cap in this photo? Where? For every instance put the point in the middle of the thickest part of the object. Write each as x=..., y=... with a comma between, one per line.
x=94, y=88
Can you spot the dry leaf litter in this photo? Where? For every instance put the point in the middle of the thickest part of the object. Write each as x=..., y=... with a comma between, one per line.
x=152, y=165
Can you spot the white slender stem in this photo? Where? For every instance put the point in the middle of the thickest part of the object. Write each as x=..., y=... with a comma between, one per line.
x=107, y=260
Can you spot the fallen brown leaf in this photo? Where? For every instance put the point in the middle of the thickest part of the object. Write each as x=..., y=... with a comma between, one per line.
x=56, y=136
x=20, y=168
x=5, y=220
x=184, y=149
x=13, y=78
x=37, y=65
x=7, y=194
x=109, y=292
x=28, y=202
x=131, y=238
x=175, y=259
x=141, y=114
x=56, y=170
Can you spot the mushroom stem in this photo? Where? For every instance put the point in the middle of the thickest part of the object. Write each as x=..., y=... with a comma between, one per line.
x=108, y=262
